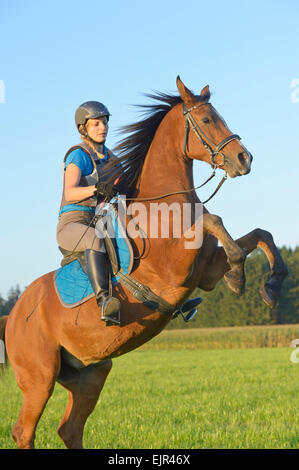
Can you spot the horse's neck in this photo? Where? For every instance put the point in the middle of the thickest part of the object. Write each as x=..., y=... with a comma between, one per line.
x=166, y=170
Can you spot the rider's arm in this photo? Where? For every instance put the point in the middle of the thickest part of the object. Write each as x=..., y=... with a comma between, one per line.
x=72, y=191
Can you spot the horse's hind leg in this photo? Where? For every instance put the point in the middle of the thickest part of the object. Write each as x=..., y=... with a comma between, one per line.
x=37, y=387
x=32, y=407
x=84, y=386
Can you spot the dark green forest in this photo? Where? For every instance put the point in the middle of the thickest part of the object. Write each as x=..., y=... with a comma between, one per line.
x=221, y=308
x=7, y=304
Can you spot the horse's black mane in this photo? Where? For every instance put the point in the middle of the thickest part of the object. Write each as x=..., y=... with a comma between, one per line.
x=132, y=149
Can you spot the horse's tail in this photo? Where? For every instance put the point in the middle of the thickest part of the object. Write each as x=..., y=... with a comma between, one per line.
x=3, y=320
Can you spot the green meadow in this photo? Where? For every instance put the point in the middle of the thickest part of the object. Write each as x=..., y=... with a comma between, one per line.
x=191, y=389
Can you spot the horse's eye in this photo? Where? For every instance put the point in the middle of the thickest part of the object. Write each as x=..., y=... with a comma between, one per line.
x=206, y=120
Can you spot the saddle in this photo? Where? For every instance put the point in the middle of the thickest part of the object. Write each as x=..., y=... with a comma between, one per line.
x=72, y=284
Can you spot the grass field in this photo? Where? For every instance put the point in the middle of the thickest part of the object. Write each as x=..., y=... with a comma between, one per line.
x=225, y=338
x=170, y=394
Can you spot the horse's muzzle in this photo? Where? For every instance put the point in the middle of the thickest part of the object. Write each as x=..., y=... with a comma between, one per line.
x=245, y=159
x=242, y=166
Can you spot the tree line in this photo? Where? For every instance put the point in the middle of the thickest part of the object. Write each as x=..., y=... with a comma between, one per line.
x=221, y=308
x=7, y=304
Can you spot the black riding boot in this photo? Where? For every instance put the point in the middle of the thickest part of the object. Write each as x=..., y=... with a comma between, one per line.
x=98, y=273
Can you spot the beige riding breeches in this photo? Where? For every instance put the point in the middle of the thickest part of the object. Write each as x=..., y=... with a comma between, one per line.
x=73, y=233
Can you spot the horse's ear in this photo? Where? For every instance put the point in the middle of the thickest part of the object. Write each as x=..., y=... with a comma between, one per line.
x=205, y=93
x=186, y=95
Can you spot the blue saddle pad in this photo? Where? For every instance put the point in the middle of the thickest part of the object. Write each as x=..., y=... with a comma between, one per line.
x=71, y=281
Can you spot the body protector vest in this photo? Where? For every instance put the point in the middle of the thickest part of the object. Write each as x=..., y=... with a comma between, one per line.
x=91, y=179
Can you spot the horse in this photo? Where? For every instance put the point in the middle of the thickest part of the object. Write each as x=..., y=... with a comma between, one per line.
x=74, y=347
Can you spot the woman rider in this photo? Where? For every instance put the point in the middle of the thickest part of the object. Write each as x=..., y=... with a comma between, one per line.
x=82, y=172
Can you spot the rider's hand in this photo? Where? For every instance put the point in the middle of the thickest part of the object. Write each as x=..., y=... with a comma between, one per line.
x=105, y=190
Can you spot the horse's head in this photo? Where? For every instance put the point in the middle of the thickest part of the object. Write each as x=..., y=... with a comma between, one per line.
x=207, y=136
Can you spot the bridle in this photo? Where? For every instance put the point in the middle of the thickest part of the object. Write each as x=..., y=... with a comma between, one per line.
x=212, y=148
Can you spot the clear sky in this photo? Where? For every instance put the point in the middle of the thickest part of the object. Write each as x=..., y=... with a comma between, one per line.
x=54, y=55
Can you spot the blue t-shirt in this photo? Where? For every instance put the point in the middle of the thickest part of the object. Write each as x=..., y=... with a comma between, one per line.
x=82, y=160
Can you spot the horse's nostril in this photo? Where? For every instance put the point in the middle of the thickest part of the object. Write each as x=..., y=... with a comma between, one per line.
x=243, y=157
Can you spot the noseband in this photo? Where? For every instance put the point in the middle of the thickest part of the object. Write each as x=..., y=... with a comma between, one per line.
x=212, y=148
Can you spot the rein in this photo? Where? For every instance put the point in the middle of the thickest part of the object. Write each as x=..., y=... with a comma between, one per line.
x=183, y=191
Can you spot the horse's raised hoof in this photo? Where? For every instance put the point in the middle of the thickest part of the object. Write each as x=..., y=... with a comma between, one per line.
x=235, y=282
x=270, y=292
x=269, y=296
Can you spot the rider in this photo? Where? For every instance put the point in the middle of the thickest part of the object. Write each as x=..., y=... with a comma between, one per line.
x=82, y=190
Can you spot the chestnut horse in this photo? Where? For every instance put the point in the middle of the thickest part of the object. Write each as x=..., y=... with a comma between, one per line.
x=72, y=345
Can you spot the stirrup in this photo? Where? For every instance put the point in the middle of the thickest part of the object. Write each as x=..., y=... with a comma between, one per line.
x=188, y=310
x=114, y=315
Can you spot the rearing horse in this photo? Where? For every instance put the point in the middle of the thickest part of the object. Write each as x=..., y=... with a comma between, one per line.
x=76, y=349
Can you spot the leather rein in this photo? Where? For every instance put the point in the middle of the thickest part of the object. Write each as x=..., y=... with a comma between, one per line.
x=212, y=148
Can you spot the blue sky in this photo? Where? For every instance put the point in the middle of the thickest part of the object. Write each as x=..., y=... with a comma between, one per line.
x=56, y=54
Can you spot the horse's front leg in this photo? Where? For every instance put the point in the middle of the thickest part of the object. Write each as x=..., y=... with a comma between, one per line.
x=259, y=238
x=217, y=265
x=234, y=254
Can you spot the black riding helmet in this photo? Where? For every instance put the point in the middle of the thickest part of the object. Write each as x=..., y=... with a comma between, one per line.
x=90, y=110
